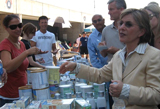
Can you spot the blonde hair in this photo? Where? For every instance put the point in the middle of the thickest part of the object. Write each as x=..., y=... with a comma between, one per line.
x=155, y=9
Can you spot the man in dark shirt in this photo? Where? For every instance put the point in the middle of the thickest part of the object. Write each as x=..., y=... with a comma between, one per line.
x=83, y=47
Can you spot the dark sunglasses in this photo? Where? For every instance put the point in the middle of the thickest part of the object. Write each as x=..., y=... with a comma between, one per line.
x=13, y=27
x=95, y=21
x=128, y=24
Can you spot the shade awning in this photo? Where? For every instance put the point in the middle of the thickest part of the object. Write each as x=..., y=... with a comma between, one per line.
x=89, y=29
x=59, y=22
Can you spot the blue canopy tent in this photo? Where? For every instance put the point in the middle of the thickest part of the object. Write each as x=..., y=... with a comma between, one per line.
x=89, y=29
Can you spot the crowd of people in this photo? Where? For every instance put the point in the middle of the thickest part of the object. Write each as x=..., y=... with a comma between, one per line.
x=131, y=59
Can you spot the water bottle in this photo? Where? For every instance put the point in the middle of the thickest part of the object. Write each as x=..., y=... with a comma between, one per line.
x=68, y=96
x=57, y=96
x=101, y=101
x=91, y=100
x=1, y=73
x=118, y=103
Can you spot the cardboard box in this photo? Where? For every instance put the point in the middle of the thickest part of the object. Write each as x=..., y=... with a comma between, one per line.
x=82, y=104
x=35, y=105
x=23, y=102
x=58, y=104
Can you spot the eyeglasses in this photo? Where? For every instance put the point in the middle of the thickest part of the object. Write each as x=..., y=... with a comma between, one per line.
x=151, y=16
x=95, y=21
x=13, y=27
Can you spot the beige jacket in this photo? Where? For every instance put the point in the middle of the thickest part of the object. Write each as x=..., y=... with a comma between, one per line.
x=142, y=74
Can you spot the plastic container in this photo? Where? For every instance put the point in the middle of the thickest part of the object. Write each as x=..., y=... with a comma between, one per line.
x=101, y=101
x=85, y=89
x=41, y=94
x=53, y=74
x=29, y=78
x=25, y=91
x=63, y=89
x=91, y=100
x=1, y=73
x=68, y=95
x=78, y=95
x=97, y=88
x=53, y=89
x=57, y=96
x=39, y=79
x=118, y=103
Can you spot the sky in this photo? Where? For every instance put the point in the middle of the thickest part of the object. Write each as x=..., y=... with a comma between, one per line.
x=95, y=6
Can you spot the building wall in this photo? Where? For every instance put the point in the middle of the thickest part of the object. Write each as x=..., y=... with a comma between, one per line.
x=31, y=10
x=3, y=32
x=72, y=33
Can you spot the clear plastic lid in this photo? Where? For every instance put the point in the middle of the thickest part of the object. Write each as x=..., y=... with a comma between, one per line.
x=78, y=94
x=89, y=94
x=101, y=93
x=57, y=96
x=68, y=95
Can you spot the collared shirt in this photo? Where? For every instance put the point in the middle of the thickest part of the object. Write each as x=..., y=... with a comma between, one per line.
x=140, y=49
x=96, y=59
x=111, y=36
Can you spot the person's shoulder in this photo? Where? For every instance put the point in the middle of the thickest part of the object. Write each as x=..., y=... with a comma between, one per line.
x=152, y=50
x=6, y=45
x=108, y=26
x=23, y=40
x=38, y=33
x=50, y=33
x=5, y=41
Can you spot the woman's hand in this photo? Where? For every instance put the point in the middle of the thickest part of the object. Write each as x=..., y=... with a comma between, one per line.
x=67, y=66
x=115, y=89
x=33, y=50
x=42, y=52
x=4, y=76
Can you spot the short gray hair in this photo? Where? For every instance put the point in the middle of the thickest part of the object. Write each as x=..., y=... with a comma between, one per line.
x=119, y=3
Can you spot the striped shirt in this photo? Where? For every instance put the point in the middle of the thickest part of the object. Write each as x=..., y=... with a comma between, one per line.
x=140, y=49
